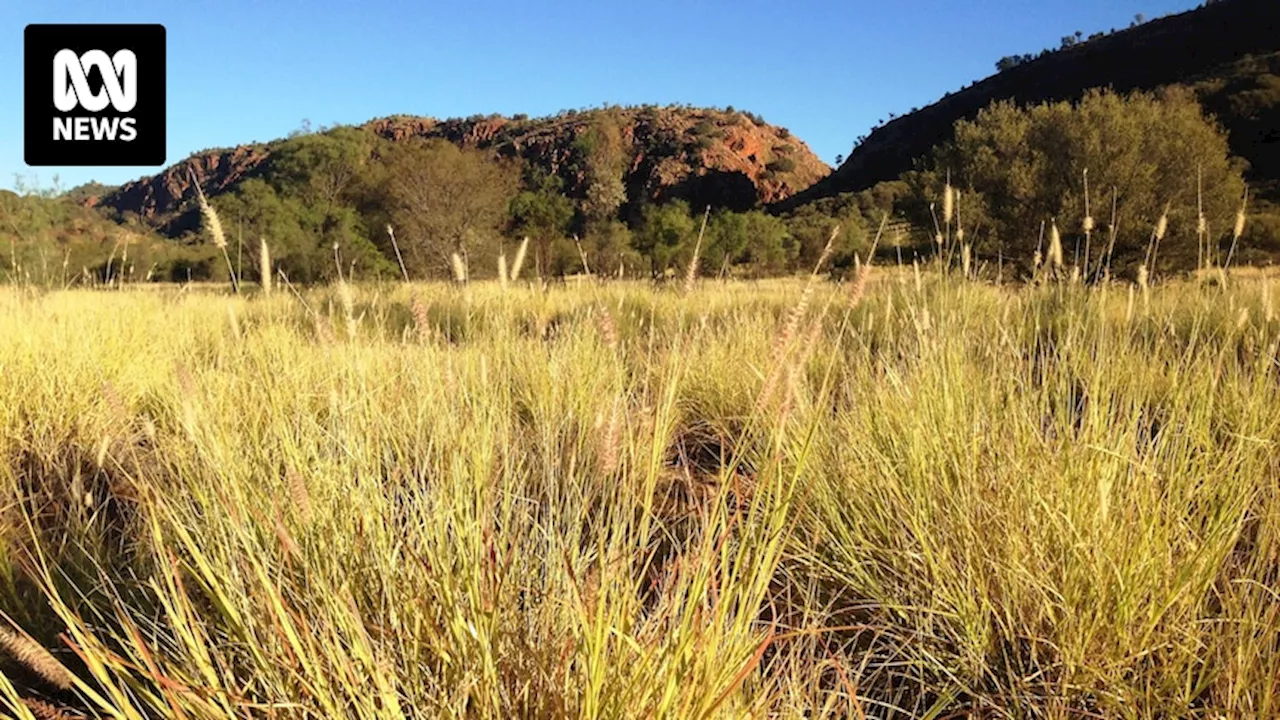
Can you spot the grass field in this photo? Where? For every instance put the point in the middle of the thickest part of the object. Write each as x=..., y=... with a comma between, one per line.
x=922, y=497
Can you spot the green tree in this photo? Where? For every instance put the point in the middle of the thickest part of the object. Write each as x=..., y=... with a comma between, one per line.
x=811, y=226
x=609, y=248
x=755, y=241
x=320, y=168
x=601, y=152
x=1017, y=167
x=665, y=235
x=301, y=236
x=443, y=200
x=543, y=213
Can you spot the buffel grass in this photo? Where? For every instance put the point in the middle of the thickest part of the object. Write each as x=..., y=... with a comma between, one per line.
x=571, y=502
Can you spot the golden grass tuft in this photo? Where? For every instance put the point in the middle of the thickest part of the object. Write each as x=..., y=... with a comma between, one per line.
x=783, y=498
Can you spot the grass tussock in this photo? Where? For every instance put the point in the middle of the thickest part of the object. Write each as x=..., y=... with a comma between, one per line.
x=915, y=496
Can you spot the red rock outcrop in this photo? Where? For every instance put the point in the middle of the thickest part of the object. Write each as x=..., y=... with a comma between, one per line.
x=721, y=157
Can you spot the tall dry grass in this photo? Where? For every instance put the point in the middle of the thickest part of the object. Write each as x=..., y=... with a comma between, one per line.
x=1035, y=502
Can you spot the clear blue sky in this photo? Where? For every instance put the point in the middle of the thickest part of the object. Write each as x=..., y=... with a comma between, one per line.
x=243, y=71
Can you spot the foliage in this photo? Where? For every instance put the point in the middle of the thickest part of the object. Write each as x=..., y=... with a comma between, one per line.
x=609, y=249
x=445, y=200
x=666, y=235
x=1019, y=167
x=543, y=213
x=811, y=227
x=757, y=243
x=48, y=240
x=601, y=152
x=781, y=165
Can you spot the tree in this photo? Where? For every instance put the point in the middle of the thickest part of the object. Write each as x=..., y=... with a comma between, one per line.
x=543, y=214
x=321, y=167
x=810, y=227
x=1017, y=167
x=301, y=236
x=609, y=248
x=445, y=200
x=755, y=240
x=665, y=234
x=601, y=152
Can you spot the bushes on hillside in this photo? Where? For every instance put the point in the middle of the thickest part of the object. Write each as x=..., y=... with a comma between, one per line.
x=1017, y=167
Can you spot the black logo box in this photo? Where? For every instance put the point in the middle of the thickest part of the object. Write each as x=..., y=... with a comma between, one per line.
x=41, y=43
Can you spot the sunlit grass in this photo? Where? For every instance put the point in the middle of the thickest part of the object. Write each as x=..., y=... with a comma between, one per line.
x=616, y=501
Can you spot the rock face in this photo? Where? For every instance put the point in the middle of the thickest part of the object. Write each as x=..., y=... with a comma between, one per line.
x=723, y=158
x=1228, y=51
x=160, y=195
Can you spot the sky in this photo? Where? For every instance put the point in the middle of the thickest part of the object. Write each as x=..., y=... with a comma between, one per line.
x=241, y=71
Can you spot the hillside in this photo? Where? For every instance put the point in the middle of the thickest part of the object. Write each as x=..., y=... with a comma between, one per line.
x=51, y=241
x=1228, y=51
x=724, y=158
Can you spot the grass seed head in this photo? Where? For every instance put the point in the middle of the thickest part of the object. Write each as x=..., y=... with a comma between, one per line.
x=264, y=265
x=459, y=269
x=518, y=262
x=35, y=658
x=1055, y=246
x=209, y=217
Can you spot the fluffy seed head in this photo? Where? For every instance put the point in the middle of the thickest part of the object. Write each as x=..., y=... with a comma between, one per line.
x=948, y=203
x=47, y=711
x=1055, y=246
x=35, y=658
x=459, y=269
x=859, y=285
x=1162, y=226
x=421, y=318
x=211, y=222
x=264, y=265
x=1202, y=225
x=519, y=259
x=1088, y=223
x=609, y=439
x=1238, y=229
x=348, y=307
x=298, y=494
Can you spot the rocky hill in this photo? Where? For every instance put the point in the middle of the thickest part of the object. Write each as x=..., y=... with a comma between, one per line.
x=725, y=158
x=1228, y=51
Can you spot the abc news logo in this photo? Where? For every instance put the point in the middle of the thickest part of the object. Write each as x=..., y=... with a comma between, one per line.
x=94, y=94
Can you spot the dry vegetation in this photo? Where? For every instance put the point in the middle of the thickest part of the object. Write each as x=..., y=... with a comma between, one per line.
x=913, y=497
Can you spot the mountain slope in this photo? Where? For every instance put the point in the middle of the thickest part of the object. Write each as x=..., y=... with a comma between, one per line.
x=1229, y=51
x=723, y=158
